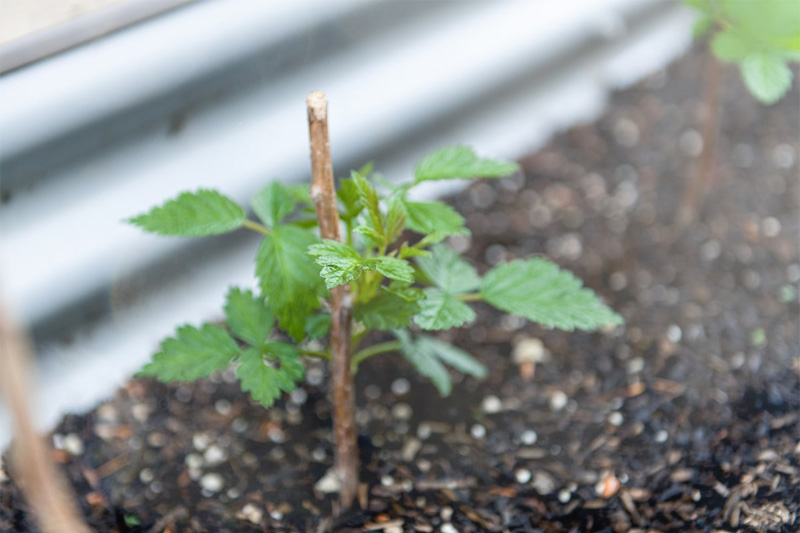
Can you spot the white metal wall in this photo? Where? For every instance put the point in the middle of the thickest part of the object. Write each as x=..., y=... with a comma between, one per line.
x=213, y=95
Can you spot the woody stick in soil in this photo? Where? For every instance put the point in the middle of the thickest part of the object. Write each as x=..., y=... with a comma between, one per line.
x=323, y=194
x=705, y=170
x=43, y=486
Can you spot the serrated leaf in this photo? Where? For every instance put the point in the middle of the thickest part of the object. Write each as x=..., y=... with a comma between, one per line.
x=441, y=310
x=386, y=311
x=192, y=354
x=395, y=220
x=269, y=374
x=248, y=316
x=731, y=45
x=370, y=200
x=407, y=251
x=372, y=237
x=393, y=268
x=288, y=277
x=541, y=292
x=702, y=26
x=273, y=203
x=340, y=262
x=434, y=217
x=767, y=76
x=205, y=212
x=427, y=355
x=460, y=162
x=409, y=294
x=350, y=198
x=453, y=356
x=448, y=271
x=318, y=326
x=425, y=362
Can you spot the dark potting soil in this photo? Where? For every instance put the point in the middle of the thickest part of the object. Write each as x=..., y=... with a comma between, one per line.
x=685, y=419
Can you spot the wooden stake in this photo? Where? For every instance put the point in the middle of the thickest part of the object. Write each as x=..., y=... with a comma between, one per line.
x=323, y=193
x=42, y=484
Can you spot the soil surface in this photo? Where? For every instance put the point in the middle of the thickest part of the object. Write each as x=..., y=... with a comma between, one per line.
x=685, y=419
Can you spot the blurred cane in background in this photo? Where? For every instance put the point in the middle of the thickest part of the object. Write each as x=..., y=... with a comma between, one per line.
x=31, y=458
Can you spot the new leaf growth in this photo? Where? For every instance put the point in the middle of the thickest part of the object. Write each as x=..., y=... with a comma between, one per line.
x=399, y=275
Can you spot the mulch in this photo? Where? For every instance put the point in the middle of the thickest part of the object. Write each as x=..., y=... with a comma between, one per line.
x=686, y=419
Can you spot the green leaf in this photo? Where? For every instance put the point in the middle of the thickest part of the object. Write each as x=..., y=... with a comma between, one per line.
x=288, y=277
x=541, y=292
x=448, y=271
x=204, y=212
x=732, y=45
x=318, y=326
x=401, y=290
x=452, y=356
x=248, y=316
x=427, y=355
x=192, y=354
x=460, y=162
x=351, y=200
x=441, y=310
x=372, y=237
x=395, y=220
x=702, y=26
x=370, y=200
x=266, y=375
x=767, y=76
x=425, y=362
x=340, y=262
x=766, y=21
x=273, y=203
x=386, y=311
x=393, y=268
x=433, y=217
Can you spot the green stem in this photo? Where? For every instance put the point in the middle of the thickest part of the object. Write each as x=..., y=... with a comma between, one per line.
x=471, y=297
x=255, y=226
x=375, y=349
x=316, y=353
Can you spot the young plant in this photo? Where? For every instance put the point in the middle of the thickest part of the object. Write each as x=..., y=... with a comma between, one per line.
x=762, y=38
x=367, y=261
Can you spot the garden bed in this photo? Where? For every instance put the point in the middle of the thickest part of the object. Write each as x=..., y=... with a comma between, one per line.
x=685, y=419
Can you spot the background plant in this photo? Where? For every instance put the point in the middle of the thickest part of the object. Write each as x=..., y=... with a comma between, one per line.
x=761, y=37
x=385, y=268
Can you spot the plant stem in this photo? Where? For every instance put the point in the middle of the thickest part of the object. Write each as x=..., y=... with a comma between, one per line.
x=376, y=349
x=471, y=297
x=317, y=354
x=704, y=172
x=323, y=194
x=255, y=226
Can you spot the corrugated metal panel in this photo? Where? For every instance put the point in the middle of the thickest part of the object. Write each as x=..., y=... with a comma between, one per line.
x=213, y=95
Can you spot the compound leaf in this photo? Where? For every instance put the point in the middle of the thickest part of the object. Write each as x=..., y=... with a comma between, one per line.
x=248, y=316
x=541, y=292
x=731, y=45
x=442, y=310
x=425, y=362
x=340, y=262
x=288, y=277
x=265, y=375
x=393, y=268
x=434, y=217
x=273, y=203
x=192, y=354
x=460, y=162
x=448, y=271
x=385, y=311
x=428, y=354
x=205, y=212
x=767, y=76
